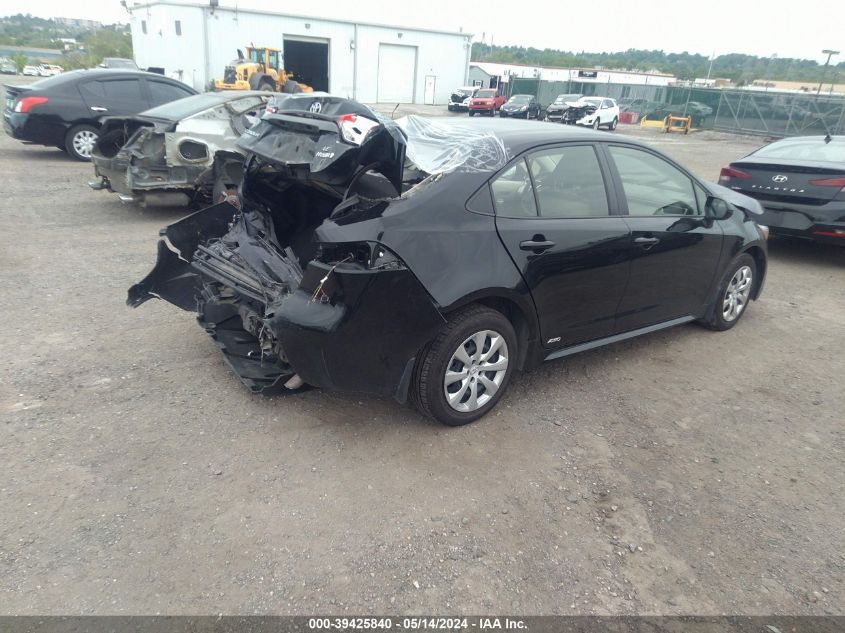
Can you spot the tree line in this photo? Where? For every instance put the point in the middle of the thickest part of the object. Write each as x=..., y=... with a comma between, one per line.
x=92, y=45
x=739, y=68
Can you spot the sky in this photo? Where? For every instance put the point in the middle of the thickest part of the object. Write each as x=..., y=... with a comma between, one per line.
x=701, y=26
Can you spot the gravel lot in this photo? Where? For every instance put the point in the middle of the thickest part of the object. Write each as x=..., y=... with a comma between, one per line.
x=683, y=472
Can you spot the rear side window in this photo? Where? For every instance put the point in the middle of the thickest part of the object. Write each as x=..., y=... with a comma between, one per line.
x=512, y=193
x=112, y=90
x=163, y=92
x=568, y=182
x=652, y=185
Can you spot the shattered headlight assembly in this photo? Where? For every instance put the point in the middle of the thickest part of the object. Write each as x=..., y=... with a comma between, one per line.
x=355, y=129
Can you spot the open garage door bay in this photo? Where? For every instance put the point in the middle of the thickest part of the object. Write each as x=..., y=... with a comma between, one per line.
x=396, y=73
x=308, y=60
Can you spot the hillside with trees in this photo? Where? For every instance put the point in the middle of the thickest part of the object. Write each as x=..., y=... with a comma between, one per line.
x=740, y=69
x=88, y=47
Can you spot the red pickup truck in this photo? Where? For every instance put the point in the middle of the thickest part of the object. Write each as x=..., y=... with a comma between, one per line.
x=487, y=100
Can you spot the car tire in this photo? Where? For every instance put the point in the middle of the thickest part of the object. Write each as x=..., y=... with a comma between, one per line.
x=430, y=386
x=614, y=123
x=471, y=113
x=80, y=141
x=737, y=282
x=596, y=123
x=267, y=86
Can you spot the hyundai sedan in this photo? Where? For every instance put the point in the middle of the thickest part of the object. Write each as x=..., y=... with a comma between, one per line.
x=800, y=182
x=429, y=260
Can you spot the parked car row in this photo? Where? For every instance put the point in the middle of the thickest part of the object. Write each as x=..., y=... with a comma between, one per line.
x=573, y=109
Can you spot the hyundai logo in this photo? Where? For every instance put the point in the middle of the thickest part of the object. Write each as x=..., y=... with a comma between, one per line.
x=780, y=178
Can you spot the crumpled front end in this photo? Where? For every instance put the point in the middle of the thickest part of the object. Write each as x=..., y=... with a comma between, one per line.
x=131, y=159
x=578, y=114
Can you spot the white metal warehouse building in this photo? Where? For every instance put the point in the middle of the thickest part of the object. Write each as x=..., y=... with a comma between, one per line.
x=372, y=63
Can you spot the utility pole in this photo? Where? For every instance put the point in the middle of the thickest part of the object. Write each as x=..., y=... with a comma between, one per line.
x=829, y=54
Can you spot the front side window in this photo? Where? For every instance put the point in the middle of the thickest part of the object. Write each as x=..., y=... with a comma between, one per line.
x=569, y=182
x=652, y=185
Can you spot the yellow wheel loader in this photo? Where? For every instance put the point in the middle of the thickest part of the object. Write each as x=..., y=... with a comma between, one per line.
x=261, y=71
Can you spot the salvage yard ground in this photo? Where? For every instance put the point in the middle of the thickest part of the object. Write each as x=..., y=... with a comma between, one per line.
x=682, y=472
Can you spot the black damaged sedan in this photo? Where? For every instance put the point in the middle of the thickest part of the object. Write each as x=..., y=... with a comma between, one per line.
x=429, y=260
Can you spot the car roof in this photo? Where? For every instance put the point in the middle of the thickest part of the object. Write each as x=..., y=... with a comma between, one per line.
x=74, y=76
x=189, y=106
x=519, y=136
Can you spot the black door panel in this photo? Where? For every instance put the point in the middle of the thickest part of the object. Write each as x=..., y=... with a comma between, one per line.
x=673, y=260
x=577, y=282
x=553, y=216
x=674, y=247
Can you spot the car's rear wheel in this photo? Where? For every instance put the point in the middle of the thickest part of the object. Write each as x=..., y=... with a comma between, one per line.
x=734, y=294
x=614, y=123
x=80, y=141
x=462, y=374
x=267, y=85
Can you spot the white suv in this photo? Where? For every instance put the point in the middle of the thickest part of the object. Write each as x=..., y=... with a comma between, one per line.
x=604, y=112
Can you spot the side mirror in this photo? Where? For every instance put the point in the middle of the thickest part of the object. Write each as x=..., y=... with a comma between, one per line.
x=717, y=208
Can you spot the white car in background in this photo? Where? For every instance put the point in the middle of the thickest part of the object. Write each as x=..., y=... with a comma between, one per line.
x=48, y=70
x=31, y=71
x=598, y=112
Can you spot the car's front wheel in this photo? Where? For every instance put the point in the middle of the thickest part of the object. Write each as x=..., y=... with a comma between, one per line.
x=80, y=141
x=462, y=373
x=734, y=293
x=596, y=123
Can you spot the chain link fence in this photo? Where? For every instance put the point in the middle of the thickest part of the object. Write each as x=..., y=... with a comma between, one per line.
x=730, y=110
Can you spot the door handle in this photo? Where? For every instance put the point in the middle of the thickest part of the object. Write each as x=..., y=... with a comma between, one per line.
x=646, y=242
x=99, y=109
x=538, y=246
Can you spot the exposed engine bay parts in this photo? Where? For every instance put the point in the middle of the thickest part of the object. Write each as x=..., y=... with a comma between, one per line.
x=179, y=152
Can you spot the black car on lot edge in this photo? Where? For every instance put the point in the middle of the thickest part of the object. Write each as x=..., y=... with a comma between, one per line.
x=429, y=260
x=64, y=111
x=800, y=182
x=521, y=106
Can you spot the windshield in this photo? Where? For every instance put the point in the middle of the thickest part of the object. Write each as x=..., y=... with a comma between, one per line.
x=593, y=102
x=520, y=99
x=182, y=108
x=465, y=92
x=486, y=94
x=561, y=99
x=813, y=148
